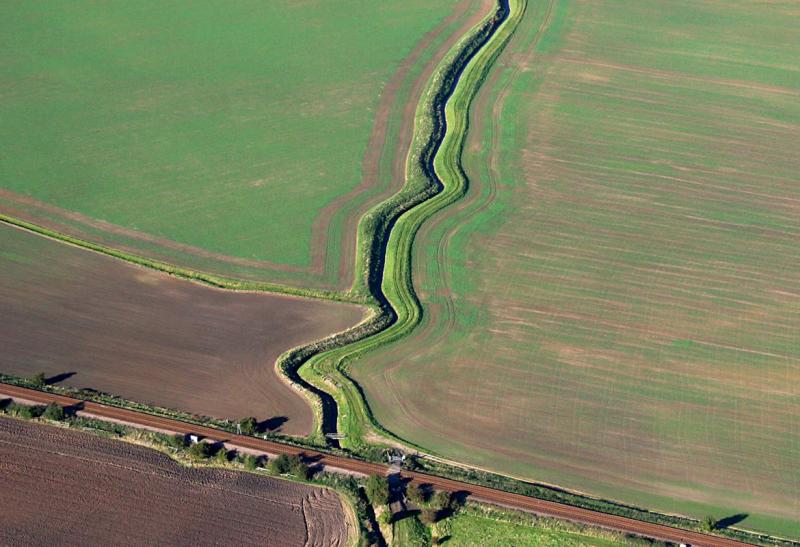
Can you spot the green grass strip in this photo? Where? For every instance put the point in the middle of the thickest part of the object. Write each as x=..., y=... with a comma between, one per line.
x=435, y=180
x=217, y=281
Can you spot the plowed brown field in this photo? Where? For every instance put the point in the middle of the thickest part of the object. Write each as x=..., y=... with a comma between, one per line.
x=149, y=337
x=64, y=487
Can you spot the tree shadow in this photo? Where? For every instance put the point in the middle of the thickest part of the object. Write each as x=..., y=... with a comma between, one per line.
x=59, y=378
x=309, y=459
x=459, y=498
x=404, y=514
x=72, y=410
x=426, y=489
x=731, y=520
x=4, y=403
x=272, y=424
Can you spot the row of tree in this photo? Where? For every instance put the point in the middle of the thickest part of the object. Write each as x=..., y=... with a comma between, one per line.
x=53, y=411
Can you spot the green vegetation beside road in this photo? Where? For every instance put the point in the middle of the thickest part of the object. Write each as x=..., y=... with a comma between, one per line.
x=489, y=527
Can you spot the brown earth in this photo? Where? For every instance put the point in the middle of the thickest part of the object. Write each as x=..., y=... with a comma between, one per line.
x=66, y=487
x=107, y=325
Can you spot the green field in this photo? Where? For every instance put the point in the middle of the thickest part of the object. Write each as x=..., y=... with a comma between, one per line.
x=212, y=137
x=479, y=525
x=614, y=307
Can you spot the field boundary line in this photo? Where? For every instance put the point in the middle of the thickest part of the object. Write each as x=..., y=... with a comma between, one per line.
x=189, y=274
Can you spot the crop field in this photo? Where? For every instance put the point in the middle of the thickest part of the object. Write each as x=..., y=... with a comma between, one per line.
x=67, y=486
x=91, y=321
x=614, y=307
x=244, y=141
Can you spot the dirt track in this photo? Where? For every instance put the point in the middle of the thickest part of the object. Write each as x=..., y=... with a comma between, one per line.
x=490, y=495
x=149, y=337
x=61, y=486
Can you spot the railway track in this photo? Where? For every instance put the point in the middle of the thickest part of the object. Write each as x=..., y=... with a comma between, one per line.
x=478, y=493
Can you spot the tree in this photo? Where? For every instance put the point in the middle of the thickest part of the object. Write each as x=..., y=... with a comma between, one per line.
x=292, y=465
x=221, y=456
x=415, y=494
x=248, y=426
x=377, y=488
x=21, y=411
x=710, y=523
x=428, y=516
x=298, y=468
x=54, y=412
x=441, y=500
x=177, y=440
x=280, y=465
x=38, y=380
x=200, y=450
x=249, y=461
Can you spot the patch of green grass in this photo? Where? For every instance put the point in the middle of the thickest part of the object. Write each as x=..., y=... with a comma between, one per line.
x=410, y=532
x=473, y=529
x=226, y=128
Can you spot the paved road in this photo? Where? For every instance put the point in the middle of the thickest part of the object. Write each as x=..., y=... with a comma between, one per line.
x=482, y=493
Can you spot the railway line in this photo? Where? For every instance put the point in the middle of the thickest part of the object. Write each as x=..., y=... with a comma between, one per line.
x=349, y=465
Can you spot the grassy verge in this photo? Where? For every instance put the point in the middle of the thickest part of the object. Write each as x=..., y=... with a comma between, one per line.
x=410, y=532
x=119, y=402
x=490, y=526
x=434, y=181
x=212, y=280
x=426, y=465
x=550, y=493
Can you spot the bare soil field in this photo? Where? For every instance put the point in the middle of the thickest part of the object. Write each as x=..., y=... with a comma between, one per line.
x=614, y=308
x=66, y=487
x=91, y=321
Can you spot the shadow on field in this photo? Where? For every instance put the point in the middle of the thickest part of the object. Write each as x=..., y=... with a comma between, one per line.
x=731, y=520
x=272, y=424
x=59, y=378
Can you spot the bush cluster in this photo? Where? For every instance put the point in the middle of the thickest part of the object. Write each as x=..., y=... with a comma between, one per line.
x=286, y=464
